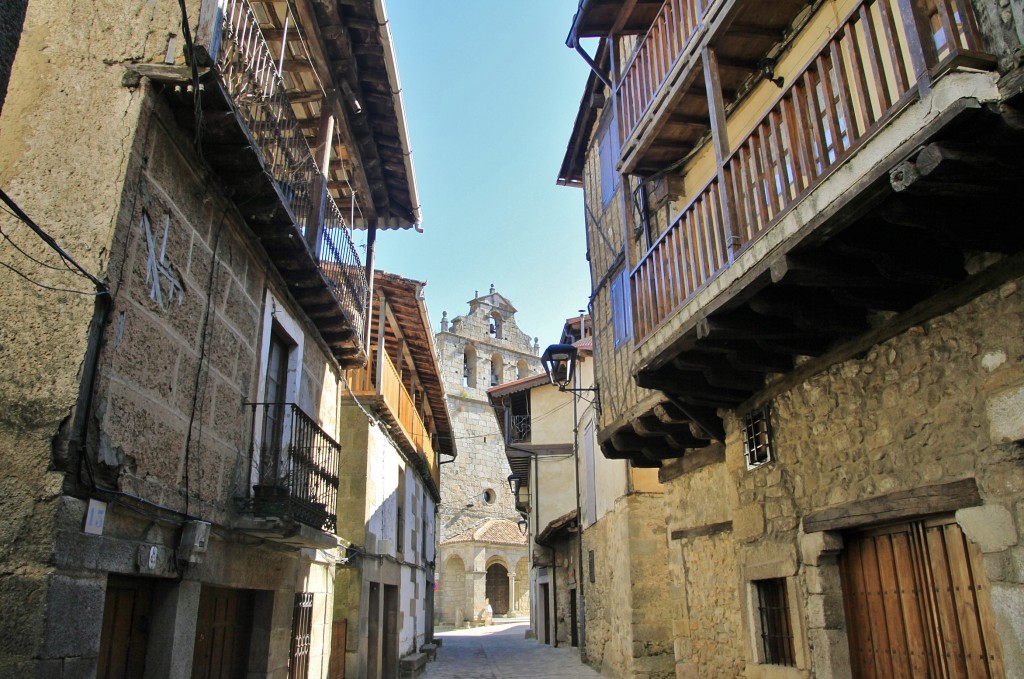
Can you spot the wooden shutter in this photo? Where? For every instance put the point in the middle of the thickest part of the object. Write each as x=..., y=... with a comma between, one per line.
x=917, y=604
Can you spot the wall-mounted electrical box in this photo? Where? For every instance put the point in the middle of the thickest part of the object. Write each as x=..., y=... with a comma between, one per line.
x=195, y=537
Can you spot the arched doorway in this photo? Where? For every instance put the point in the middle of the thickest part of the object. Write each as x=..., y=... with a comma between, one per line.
x=497, y=588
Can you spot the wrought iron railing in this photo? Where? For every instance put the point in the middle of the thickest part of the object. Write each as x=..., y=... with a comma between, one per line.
x=864, y=74
x=254, y=83
x=294, y=467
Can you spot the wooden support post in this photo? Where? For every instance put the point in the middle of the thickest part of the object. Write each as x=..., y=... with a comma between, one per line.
x=371, y=248
x=324, y=143
x=209, y=31
x=382, y=319
x=919, y=42
x=720, y=141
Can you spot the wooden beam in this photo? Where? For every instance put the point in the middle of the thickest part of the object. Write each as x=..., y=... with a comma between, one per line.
x=906, y=504
x=937, y=305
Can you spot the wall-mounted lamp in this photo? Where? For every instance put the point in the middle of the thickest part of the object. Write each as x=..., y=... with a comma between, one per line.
x=523, y=523
x=559, y=362
x=767, y=68
x=520, y=492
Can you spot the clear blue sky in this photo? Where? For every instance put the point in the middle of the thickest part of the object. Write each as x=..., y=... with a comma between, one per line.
x=491, y=93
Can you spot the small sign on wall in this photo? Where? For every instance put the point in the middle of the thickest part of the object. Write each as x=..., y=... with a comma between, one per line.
x=95, y=517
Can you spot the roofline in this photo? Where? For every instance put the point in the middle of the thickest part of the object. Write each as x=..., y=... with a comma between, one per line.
x=586, y=118
x=521, y=384
x=391, y=64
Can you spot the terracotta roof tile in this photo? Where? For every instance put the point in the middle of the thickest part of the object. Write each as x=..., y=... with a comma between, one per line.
x=494, y=531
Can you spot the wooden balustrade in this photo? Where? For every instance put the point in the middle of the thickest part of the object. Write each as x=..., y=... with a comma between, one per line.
x=399, y=402
x=658, y=51
x=863, y=75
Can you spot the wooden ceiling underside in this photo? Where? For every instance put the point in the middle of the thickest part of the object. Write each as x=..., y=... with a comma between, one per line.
x=343, y=37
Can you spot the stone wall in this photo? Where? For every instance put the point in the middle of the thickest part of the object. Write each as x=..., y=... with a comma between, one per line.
x=628, y=600
x=940, y=403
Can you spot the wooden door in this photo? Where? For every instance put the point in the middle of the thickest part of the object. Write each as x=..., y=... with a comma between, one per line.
x=917, y=604
x=223, y=630
x=497, y=588
x=125, y=634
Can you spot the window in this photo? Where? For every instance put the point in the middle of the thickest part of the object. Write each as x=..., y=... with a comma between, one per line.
x=302, y=626
x=489, y=496
x=521, y=369
x=518, y=413
x=774, y=627
x=622, y=315
x=400, y=513
x=757, y=438
x=608, y=150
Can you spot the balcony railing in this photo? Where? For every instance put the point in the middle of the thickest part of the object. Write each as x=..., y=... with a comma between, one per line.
x=652, y=61
x=294, y=467
x=863, y=75
x=400, y=405
x=253, y=82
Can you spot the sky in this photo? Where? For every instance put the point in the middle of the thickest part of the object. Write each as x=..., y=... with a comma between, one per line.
x=491, y=93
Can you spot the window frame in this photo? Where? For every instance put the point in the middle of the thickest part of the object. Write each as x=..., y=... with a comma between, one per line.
x=621, y=303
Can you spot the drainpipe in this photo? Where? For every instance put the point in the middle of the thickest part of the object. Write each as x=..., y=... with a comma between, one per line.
x=572, y=42
x=579, y=512
x=101, y=311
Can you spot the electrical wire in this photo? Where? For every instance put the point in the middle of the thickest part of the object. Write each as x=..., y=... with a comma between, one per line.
x=101, y=287
x=49, y=287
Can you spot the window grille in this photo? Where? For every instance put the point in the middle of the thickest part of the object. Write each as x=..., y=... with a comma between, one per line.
x=757, y=438
x=302, y=626
x=776, y=630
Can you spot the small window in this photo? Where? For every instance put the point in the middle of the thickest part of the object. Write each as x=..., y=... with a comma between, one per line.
x=489, y=496
x=622, y=316
x=757, y=438
x=469, y=368
x=774, y=627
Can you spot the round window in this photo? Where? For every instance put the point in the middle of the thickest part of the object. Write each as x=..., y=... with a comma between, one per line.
x=489, y=496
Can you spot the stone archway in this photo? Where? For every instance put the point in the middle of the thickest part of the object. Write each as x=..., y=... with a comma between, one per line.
x=497, y=588
x=453, y=591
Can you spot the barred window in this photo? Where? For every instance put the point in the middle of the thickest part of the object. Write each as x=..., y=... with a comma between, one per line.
x=776, y=631
x=757, y=438
x=302, y=626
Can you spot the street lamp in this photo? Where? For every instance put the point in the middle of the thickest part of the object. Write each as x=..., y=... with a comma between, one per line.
x=520, y=492
x=560, y=364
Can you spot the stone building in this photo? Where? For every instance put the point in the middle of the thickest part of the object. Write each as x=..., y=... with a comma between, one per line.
x=808, y=319
x=172, y=380
x=395, y=413
x=476, y=351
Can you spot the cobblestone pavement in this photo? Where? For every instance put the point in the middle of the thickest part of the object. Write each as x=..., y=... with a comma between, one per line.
x=502, y=652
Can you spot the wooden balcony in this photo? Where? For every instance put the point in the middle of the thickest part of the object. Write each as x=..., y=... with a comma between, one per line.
x=380, y=381
x=855, y=208
x=863, y=75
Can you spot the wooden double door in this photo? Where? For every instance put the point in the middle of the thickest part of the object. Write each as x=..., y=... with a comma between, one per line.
x=917, y=604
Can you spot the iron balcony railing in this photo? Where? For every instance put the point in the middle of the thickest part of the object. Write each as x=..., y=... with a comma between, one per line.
x=294, y=468
x=864, y=74
x=254, y=83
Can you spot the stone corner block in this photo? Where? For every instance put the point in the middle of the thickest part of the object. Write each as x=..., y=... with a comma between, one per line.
x=748, y=522
x=1005, y=412
x=813, y=546
x=991, y=527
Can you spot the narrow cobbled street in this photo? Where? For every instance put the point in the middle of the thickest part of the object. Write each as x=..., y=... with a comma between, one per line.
x=501, y=651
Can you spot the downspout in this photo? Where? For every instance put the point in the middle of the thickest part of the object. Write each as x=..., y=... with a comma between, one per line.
x=384, y=30
x=90, y=365
x=572, y=42
x=371, y=251
x=579, y=514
